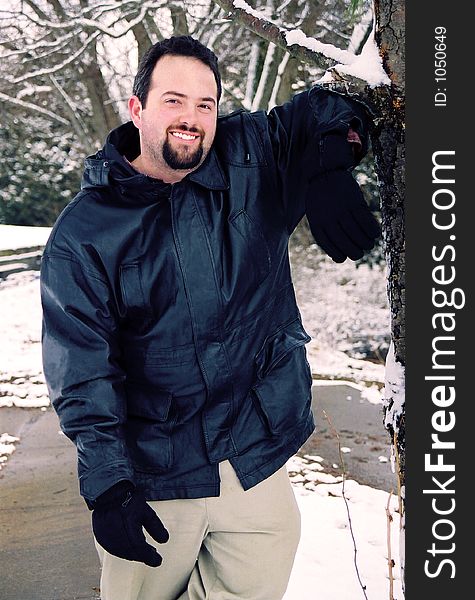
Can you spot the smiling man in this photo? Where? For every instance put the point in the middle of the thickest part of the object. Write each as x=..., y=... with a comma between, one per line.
x=173, y=346
x=176, y=118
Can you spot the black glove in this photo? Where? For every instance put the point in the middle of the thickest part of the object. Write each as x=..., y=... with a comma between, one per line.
x=339, y=218
x=117, y=520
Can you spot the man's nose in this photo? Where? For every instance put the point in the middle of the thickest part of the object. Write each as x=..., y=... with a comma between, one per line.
x=189, y=115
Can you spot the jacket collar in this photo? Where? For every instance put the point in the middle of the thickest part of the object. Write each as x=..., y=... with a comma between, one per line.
x=210, y=174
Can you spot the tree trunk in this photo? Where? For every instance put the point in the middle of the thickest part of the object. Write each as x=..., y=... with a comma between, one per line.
x=180, y=23
x=388, y=140
x=104, y=116
x=141, y=37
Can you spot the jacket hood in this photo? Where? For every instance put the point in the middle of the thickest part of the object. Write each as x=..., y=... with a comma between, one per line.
x=109, y=168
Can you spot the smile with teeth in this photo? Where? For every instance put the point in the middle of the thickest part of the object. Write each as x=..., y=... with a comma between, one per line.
x=184, y=136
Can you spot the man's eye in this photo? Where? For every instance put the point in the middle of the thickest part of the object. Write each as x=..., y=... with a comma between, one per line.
x=171, y=100
x=206, y=106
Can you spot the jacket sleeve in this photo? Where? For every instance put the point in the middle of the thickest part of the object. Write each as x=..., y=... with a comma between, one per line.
x=309, y=137
x=81, y=364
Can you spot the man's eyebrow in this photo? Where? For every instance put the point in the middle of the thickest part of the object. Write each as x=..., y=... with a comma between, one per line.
x=180, y=95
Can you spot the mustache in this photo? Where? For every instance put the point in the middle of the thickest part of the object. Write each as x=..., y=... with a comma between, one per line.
x=186, y=129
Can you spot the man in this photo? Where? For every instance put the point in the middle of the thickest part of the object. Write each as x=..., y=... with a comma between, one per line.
x=173, y=346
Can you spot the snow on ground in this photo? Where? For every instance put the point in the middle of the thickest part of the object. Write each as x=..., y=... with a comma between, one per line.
x=324, y=566
x=345, y=311
x=21, y=376
x=14, y=237
x=7, y=447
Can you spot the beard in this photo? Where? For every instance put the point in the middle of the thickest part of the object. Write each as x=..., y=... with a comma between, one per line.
x=181, y=158
x=176, y=158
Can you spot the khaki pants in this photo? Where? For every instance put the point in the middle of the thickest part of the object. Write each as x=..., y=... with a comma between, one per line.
x=238, y=546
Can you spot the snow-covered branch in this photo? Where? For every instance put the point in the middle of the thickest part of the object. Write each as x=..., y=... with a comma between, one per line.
x=360, y=32
x=72, y=109
x=96, y=24
x=59, y=66
x=216, y=34
x=33, y=90
x=366, y=66
x=97, y=10
x=251, y=75
x=43, y=44
x=254, y=20
x=278, y=79
x=33, y=107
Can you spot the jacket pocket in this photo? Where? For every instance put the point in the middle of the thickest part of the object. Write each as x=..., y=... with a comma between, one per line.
x=132, y=290
x=255, y=243
x=284, y=380
x=147, y=401
x=149, y=427
x=175, y=369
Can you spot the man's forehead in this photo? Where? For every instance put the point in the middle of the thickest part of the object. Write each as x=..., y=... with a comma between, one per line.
x=174, y=72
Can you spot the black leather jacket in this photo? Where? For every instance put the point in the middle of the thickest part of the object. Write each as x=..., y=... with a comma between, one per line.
x=172, y=339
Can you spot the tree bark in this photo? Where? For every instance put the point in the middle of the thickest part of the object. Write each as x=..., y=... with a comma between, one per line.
x=389, y=149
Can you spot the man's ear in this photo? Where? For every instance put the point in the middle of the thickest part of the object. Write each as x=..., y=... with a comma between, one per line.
x=135, y=110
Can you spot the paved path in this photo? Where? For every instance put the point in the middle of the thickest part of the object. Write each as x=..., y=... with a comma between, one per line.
x=359, y=424
x=46, y=547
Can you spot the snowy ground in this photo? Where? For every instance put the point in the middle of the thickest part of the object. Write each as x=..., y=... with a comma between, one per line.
x=21, y=379
x=13, y=237
x=345, y=311
x=332, y=515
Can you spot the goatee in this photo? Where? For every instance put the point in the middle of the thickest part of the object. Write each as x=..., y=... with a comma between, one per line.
x=175, y=160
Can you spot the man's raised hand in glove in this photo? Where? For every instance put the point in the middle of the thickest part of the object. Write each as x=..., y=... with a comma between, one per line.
x=339, y=217
x=118, y=518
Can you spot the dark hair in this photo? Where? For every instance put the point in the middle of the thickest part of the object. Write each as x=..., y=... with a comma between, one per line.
x=183, y=45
